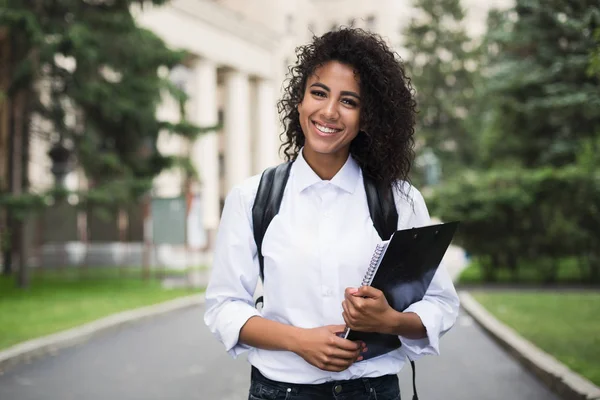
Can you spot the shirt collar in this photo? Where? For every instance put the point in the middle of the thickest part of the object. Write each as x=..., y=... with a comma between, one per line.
x=346, y=178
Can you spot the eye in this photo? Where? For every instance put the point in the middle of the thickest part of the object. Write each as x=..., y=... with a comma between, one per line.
x=350, y=102
x=318, y=93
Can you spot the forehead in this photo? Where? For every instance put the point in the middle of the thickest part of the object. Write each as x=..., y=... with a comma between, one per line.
x=336, y=74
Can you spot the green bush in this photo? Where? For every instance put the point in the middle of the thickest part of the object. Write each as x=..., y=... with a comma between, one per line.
x=515, y=216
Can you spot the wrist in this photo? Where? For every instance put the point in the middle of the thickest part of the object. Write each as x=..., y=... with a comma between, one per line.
x=393, y=322
x=292, y=339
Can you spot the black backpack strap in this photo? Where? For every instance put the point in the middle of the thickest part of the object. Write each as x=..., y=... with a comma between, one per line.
x=266, y=206
x=385, y=220
x=414, y=380
x=381, y=207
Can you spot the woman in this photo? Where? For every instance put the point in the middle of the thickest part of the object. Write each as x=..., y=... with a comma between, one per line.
x=348, y=110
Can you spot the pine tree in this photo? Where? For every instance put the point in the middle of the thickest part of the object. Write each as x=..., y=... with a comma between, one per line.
x=85, y=77
x=441, y=60
x=545, y=102
x=92, y=61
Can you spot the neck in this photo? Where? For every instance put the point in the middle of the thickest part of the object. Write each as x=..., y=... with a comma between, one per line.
x=326, y=166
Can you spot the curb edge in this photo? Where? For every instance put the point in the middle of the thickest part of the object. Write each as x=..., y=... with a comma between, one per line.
x=558, y=377
x=25, y=352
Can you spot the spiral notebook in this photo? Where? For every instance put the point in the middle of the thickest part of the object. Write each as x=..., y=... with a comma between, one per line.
x=402, y=268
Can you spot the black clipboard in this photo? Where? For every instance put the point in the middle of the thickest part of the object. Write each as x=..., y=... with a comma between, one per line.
x=403, y=269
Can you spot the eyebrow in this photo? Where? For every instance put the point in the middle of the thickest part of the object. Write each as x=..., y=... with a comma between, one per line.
x=343, y=92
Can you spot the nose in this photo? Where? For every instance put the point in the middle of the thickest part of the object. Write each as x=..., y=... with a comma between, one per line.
x=330, y=110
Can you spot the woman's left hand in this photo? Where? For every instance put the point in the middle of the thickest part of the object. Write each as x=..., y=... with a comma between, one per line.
x=366, y=309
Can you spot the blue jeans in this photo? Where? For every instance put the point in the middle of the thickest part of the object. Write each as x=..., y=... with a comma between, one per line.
x=383, y=388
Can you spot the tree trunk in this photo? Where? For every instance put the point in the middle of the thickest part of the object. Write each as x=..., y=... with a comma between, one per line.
x=19, y=181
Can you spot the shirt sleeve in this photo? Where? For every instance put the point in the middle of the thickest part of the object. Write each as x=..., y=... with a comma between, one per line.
x=438, y=310
x=235, y=272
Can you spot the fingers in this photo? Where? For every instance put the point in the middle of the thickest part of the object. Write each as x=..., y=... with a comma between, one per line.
x=345, y=344
x=338, y=359
x=348, y=355
x=335, y=365
x=347, y=314
x=363, y=291
x=368, y=291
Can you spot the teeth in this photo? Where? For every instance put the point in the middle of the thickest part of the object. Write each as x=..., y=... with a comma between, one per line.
x=324, y=129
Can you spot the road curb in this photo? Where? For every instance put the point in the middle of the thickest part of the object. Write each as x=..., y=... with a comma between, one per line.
x=557, y=376
x=26, y=351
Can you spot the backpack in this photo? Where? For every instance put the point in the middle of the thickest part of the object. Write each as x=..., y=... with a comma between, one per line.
x=267, y=202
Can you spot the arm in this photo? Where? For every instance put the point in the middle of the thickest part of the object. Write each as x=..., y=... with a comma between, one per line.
x=320, y=347
x=229, y=294
x=422, y=324
x=230, y=312
x=269, y=335
x=439, y=308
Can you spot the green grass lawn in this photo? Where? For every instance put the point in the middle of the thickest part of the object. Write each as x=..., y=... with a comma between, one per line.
x=563, y=324
x=64, y=299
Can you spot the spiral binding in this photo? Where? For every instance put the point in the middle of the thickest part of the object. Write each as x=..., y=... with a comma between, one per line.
x=373, y=265
x=367, y=279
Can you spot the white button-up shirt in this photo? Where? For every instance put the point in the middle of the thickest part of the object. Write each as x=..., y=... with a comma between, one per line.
x=319, y=243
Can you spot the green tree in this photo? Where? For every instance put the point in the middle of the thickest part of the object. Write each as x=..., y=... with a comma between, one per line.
x=543, y=100
x=92, y=74
x=442, y=61
x=594, y=67
x=534, y=198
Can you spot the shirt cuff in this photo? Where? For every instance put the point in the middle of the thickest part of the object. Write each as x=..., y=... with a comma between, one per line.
x=430, y=317
x=233, y=317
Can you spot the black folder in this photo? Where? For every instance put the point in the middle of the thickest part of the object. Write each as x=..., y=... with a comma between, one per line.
x=402, y=268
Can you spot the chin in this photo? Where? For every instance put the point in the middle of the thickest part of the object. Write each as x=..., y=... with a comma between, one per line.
x=322, y=147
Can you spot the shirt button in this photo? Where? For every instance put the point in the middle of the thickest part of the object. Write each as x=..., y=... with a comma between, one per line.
x=337, y=389
x=327, y=292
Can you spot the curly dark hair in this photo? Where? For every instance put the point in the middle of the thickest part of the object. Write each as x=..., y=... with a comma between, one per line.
x=384, y=147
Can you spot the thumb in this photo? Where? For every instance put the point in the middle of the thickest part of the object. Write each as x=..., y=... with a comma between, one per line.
x=367, y=291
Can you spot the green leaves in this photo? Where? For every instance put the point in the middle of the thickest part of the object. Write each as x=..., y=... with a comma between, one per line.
x=439, y=51
x=525, y=214
x=95, y=63
x=545, y=101
x=594, y=67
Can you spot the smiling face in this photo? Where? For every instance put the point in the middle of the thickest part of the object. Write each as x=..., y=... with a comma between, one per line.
x=330, y=113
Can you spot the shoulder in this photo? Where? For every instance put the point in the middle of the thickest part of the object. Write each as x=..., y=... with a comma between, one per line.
x=245, y=191
x=410, y=204
x=405, y=194
x=248, y=188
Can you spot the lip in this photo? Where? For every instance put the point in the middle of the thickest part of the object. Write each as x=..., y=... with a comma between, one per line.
x=330, y=126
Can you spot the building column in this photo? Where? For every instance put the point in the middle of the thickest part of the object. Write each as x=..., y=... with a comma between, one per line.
x=205, y=150
x=265, y=127
x=237, y=128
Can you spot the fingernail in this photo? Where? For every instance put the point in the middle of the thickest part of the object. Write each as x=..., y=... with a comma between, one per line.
x=359, y=358
x=353, y=290
x=365, y=350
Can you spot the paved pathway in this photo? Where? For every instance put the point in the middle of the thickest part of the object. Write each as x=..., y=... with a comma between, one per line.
x=175, y=357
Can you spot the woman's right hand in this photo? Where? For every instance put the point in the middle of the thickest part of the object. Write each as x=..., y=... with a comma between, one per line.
x=325, y=350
